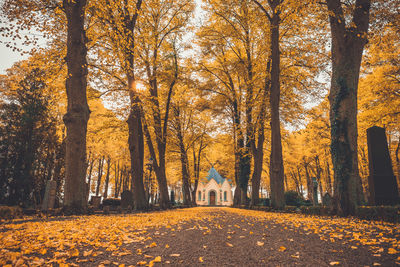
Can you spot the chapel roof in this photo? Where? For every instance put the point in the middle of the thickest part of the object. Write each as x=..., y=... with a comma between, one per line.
x=213, y=174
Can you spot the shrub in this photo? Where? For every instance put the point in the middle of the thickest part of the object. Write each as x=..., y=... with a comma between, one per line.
x=290, y=209
x=9, y=213
x=112, y=202
x=315, y=210
x=293, y=198
x=384, y=213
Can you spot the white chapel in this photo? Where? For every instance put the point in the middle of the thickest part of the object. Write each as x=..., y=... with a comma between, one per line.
x=216, y=191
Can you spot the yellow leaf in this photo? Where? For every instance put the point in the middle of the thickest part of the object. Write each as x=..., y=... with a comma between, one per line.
x=281, y=249
x=174, y=255
x=354, y=247
x=121, y=265
x=332, y=263
x=229, y=244
x=87, y=253
x=152, y=245
x=166, y=246
x=260, y=243
x=148, y=256
x=141, y=263
x=74, y=253
x=43, y=251
x=392, y=251
x=157, y=259
x=201, y=259
x=251, y=232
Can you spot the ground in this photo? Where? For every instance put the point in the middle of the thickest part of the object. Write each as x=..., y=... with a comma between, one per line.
x=207, y=236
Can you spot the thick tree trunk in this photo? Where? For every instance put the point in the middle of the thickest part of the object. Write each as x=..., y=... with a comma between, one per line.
x=136, y=146
x=78, y=111
x=347, y=48
x=276, y=171
x=105, y=194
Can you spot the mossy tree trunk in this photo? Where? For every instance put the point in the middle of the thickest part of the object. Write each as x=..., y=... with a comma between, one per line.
x=78, y=111
x=348, y=43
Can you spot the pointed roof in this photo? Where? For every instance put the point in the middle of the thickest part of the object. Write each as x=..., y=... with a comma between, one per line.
x=213, y=174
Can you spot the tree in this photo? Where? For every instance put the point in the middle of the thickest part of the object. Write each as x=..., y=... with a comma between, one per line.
x=276, y=159
x=78, y=111
x=120, y=17
x=348, y=41
x=30, y=149
x=160, y=26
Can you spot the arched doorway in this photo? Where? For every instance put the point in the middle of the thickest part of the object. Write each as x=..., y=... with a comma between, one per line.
x=212, y=198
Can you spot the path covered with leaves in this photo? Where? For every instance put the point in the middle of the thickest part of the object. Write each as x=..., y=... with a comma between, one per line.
x=200, y=237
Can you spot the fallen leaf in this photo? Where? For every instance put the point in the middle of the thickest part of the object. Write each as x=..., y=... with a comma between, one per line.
x=87, y=253
x=152, y=245
x=281, y=249
x=392, y=251
x=332, y=263
x=229, y=244
x=201, y=259
x=157, y=259
x=166, y=246
x=141, y=263
x=260, y=243
x=174, y=255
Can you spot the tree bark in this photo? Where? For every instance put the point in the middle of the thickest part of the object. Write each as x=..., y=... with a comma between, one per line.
x=91, y=164
x=183, y=158
x=398, y=162
x=99, y=175
x=78, y=111
x=105, y=194
x=319, y=179
x=136, y=147
x=347, y=47
x=276, y=159
x=308, y=181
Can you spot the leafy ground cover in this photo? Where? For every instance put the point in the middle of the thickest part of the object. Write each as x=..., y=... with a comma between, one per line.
x=200, y=236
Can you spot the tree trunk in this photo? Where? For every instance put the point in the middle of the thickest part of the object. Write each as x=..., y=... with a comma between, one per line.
x=276, y=161
x=117, y=180
x=136, y=146
x=100, y=174
x=105, y=194
x=258, y=150
x=319, y=179
x=183, y=158
x=347, y=47
x=309, y=182
x=91, y=164
x=398, y=162
x=300, y=181
x=78, y=111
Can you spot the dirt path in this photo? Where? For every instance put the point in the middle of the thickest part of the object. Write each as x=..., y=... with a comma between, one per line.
x=226, y=238
x=200, y=237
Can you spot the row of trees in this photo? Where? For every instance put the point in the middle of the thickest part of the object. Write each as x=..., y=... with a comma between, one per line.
x=254, y=65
